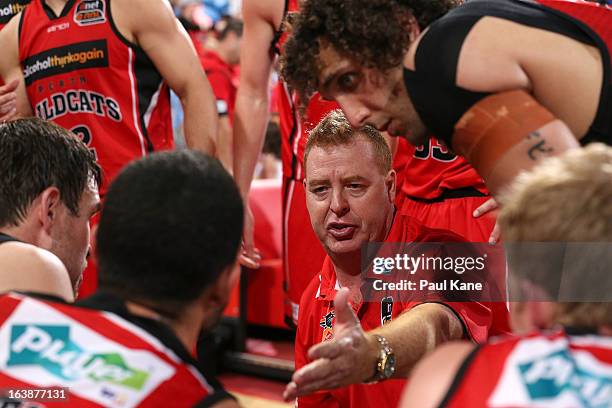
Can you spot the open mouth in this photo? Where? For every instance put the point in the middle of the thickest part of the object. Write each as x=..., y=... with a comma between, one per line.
x=341, y=231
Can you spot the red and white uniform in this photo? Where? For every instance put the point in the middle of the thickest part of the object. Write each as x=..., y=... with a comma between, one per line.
x=82, y=74
x=555, y=370
x=102, y=359
x=317, y=318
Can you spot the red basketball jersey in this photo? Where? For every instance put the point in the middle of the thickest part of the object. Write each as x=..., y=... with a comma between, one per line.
x=431, y=169
x=99, y=358
x=82, y=74
x=536, y=371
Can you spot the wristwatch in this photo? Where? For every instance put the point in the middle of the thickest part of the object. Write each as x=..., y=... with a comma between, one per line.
x=385, y=366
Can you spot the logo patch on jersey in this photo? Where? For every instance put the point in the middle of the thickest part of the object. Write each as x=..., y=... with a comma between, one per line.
x=386, y=310
x=89, y=12
x=52, y=348
x=7, y=12
x=61, y=60
x=39, y=345
x=549, y=377
x=327, y=323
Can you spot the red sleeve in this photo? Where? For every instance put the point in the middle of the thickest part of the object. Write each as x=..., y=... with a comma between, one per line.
x=476, y=317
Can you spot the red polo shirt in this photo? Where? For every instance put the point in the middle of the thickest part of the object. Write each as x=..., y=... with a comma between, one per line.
x=317, y=317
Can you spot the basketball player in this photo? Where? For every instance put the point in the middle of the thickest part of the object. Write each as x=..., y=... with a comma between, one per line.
x=479, y=78
x=48, y=193
x=103, y=69
x=569, y=361
x=167, y=244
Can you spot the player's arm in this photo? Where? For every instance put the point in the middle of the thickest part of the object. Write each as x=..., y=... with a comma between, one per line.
x=352, y=356
x=252, y=100
x=152, y=25
x=13, y=98
x=26, y=268
x=509, y=130
x=252, y=106
x=433, y=376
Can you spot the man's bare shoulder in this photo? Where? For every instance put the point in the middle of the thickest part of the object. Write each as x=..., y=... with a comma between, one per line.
x=25, y=267
x=433, y=376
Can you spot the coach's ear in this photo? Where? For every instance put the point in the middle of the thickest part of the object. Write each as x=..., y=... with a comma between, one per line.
x=47, y=208
x=391, y=184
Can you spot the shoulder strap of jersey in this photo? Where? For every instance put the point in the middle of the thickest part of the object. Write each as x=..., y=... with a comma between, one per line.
x=459, y=376
x=432, y=86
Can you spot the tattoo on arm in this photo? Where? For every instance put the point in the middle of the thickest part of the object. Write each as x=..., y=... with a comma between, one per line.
x=539, y=148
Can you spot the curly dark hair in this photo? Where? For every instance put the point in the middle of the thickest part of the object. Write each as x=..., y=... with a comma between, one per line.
x=372, y=32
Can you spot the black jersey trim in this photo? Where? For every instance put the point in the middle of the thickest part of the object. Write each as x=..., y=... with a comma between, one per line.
x=459, y=376
x=7, y=238
x=450, y=194
x=145, y=90
x=432, y=86
x=20, y=27
x=278, y=33
x=600, y=129
x=51, y=14
x=116, y=30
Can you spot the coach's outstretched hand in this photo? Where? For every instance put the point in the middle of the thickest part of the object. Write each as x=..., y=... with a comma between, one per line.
x=350, y=358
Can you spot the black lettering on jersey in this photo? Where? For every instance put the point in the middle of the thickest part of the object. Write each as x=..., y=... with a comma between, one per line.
x=434, y=150
x=59, y=103
x=78, y=101
x=85, y=105
x=98, y=102
x=113, y=109
x=61, y=60
x=73, y=101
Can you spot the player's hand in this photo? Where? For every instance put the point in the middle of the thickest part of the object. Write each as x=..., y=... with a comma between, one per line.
x=249, y=255
x=486, y=207
x=8, y=101
x=350, y=358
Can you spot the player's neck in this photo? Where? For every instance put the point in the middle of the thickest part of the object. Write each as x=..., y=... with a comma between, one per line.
x=56, y=5
x=183, y=327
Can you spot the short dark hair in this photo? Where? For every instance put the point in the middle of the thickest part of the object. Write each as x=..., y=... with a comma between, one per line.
x=374, y=33
x=170, y=224
x=36, y=155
